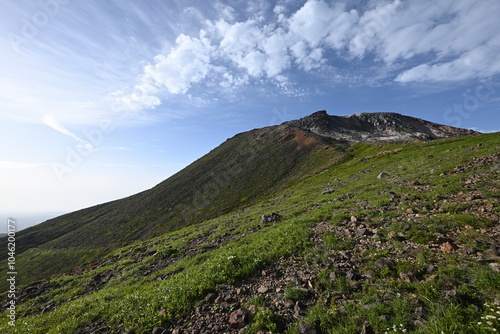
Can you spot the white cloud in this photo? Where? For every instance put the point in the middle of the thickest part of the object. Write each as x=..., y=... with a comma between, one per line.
x=481, y=62
x=186, y=64
x=312, y=22
x=410, y=41
x=279, y=10
x=230, y=81
x=457, y=40
x=276, y=49
x=240, y=38
x=226, y=12
x=372, y=28
x=317, y=23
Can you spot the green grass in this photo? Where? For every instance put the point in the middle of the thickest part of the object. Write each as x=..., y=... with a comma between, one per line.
x=132, y=300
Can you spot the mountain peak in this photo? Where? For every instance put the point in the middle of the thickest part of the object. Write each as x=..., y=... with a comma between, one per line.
x=375, y=127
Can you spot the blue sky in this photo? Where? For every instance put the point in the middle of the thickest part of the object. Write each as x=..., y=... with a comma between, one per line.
x=102, y=99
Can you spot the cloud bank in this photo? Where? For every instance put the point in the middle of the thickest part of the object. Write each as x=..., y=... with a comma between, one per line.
x=426, y=41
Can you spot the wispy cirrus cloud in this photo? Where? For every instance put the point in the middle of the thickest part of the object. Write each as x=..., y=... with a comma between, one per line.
x=50, y=121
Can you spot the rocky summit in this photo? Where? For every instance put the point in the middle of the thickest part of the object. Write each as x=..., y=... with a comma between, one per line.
x=369, y=223
x=376, y=127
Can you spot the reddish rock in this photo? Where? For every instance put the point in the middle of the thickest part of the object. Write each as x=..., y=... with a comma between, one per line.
x=239, y=318
x=448, y=247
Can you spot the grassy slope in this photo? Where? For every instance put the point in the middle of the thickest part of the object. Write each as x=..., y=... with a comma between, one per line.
x=244, y=168
x=132, y=300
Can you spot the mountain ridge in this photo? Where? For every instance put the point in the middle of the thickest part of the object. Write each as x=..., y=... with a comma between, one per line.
x=376, y=127
x=416, y=251
x=243, y=169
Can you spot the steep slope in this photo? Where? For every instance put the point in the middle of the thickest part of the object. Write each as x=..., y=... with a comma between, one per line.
x=245, y=168
x=240, y=171
x=415, y=252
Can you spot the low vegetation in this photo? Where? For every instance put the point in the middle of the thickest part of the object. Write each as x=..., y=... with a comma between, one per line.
x=414, y=252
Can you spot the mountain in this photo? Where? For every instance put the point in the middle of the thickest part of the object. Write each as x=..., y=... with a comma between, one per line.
x=300, y=227
x=242, y=170
x=375, y=127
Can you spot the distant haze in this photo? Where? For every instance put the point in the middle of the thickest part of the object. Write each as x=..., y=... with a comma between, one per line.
x=25, y=220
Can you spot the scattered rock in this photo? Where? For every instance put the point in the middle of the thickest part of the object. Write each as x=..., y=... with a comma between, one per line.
x=263, y=289
x=214, y=313
x=363, y=232
x=367, y=328
x=418, y=323
x=369, y=274
x=272, y=218
x=450, y=293
x=495, y=267
x=298, y=309
x=448, y=247
x=492, y=252
x=239, y=318
x=384, y=262
x=387, y=296
x=288, y=303
x=210, y=298
x=329, y=191
x=419, y=312
x=405, y=276
x=382, y=175
x=307, y=329
x=393, y=195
